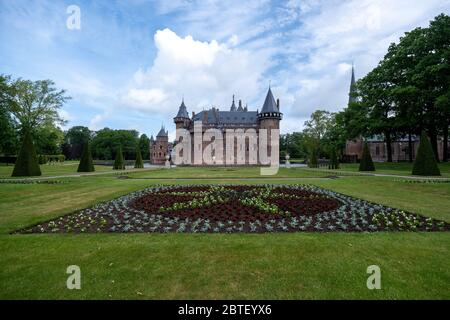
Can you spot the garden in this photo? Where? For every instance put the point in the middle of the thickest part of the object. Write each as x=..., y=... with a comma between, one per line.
x=237, y=209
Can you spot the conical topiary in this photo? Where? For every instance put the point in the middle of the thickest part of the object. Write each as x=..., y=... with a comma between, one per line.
x=366, y=163
x=139, y=163
x=27, y=161
x=334, y=162
x=425, y=164
x=119, y=163
x=86, y=164
x=313, y=159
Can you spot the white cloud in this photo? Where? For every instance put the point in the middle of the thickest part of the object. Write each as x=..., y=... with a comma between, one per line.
x=205, y=73
x=96, y=122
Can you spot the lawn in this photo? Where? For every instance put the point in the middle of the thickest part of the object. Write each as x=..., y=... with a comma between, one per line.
x=400, y=168
x=291, y=266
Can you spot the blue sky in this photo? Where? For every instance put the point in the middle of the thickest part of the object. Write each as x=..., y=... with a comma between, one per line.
x=132, y=61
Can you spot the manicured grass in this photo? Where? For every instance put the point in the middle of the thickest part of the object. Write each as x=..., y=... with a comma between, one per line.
x=299, y=265
x=65, y=168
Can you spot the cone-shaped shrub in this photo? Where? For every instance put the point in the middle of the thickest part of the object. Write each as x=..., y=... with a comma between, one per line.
x=334, y=162
x=139, y=163
x=86, y=164
x=425, y=164
x=27, y=161
x=366, y=163
x=119, y=163
x=313, y=159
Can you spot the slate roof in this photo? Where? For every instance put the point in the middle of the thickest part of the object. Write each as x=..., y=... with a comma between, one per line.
x=269, y=104
x=228, y=117
x=182, y=111
x=162, y=133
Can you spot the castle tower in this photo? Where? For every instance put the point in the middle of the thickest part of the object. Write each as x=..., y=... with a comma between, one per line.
x=160, y=147
x=152, y=141
x=182, y=118
x=269, y=118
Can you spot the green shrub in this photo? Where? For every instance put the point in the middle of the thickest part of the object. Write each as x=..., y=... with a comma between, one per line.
x=313, y=159
x=43, y=159
x=366, y=163
x=119, y=163
x=425, y=164
x=334, y=162
x=86, y=164
x=27, y=161
x=139, y=163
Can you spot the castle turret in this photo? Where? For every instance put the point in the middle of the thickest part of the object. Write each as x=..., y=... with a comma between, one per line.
x=233, y=106
x=352, y=95
x=270, y=109
x=182, y=118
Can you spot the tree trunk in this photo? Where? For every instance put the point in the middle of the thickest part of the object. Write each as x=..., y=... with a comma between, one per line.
x=410, y=147
x=388, y=146
x=445, y=149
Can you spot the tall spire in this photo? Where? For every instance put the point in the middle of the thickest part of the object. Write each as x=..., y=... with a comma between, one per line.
x=233, y=106
x=352, y=93
x=182, y=111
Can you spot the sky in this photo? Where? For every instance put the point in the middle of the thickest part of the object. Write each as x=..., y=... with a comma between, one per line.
x=131, y=62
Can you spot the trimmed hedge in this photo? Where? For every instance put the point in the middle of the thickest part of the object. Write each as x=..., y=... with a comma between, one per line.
x=118, y=162
x=366, y=163
x=425, y=164
x=139, y=164
x=27, y=164
x=86, y=164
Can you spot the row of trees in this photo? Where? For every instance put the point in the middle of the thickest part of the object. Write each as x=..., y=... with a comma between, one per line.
x=407, y=93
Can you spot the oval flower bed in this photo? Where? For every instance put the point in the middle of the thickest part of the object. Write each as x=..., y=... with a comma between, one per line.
x=242, y=208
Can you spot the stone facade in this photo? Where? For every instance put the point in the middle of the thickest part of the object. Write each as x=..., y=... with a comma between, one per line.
x=237, y=118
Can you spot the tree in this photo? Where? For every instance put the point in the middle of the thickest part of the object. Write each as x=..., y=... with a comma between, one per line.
x=313, y=159
x=425, y=164
x=366, y=163
x=119, y=163
x=8, y=134
x=35, y=103
x=74, y=140
x=27, y=161
x=334, y=162
x=86, y=164
x=138, y=163
x=48, y=139
x=106, y=141
x=144, y=146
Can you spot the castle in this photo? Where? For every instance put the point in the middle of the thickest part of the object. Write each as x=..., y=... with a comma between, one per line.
x=237, y=118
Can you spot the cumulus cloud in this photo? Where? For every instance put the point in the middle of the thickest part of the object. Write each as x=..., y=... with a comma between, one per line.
x=206, y=73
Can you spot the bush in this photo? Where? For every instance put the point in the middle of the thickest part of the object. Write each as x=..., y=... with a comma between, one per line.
x=27, y=161
x=425, y=164
x=119, y=164
x=8, y=159
x=366, y=163
x=86, y=164
x=139, y=163
x=42, y=159
x=334, y=163
x=313, y=159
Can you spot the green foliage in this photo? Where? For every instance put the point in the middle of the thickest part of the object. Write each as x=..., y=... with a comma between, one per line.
x=74, y=140
x=42, y=159
x=334, y=161
x=144, y=146
x=86, y=164
x=106, y=141
x=425, y=164
x=48, y=139
x=366, y=163
x=119, y=163
x=27, y=161
x=312, y=163
x=139, y=164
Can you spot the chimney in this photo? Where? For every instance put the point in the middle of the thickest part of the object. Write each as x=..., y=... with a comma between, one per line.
x=205, y=116
x=278, y=104
x=240, y=104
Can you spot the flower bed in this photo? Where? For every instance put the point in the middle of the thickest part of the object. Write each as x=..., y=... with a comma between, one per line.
x=227, y=208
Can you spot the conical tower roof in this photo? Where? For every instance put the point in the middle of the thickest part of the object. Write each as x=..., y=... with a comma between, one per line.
x=269, y=104
x=352, y=93
x=162, y=132
x=182, y=111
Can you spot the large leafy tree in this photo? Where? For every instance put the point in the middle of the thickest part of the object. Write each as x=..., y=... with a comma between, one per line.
x=144, y=146
x=106, y=141
x=74, y=140
x=8, y=132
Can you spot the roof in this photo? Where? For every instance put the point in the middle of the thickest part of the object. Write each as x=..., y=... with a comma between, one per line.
x=182, y=111
x=352, y=97
x=162, y=133
x=228, y=117
x=269, y=104
x=233, y=106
